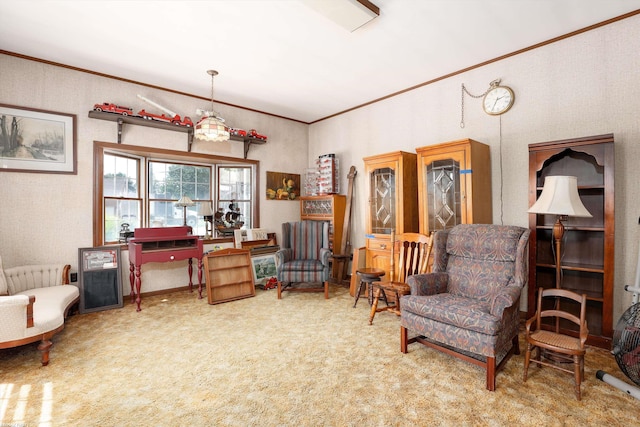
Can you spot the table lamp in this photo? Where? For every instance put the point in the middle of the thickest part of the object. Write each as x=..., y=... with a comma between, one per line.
x=183, y=203
x=560, y=197
x=206, y=212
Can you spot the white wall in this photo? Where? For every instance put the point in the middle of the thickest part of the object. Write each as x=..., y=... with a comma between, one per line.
x=586, y=85
x=45, y=218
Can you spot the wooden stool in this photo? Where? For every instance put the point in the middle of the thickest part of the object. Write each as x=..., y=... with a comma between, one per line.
x=398, y=289
x=368, y=276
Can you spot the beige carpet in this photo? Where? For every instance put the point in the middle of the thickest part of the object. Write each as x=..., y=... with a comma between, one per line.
x=300, y=361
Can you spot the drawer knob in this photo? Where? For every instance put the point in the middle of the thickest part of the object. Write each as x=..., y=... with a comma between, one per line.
x=172, y=257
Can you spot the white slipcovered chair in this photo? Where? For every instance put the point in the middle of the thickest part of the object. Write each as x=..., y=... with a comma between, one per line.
x=34, y=301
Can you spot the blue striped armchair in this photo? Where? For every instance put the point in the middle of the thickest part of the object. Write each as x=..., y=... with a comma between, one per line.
x=304, y=257
x=468, y=306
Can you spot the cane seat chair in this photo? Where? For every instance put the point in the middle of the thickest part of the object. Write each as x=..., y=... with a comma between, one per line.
x=551, y=345
x=410, y=254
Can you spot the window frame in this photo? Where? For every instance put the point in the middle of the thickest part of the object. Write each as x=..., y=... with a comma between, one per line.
x=149, y=200
x=150, y=153
x=220, y=202
x=139, y=173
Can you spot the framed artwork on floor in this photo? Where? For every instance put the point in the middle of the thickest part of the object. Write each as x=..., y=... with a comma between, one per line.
x=100, y=275
x=264, y=268
x=33, y=140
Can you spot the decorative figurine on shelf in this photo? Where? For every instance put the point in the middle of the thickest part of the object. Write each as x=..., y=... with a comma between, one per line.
x=254, y=134
x=172, y=118
x=109, y=107
x=227, y=222
x=237, y=132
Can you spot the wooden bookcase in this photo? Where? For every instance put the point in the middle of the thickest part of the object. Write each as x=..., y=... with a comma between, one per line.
x=229, y=275
x=454, y=185
x=588, y=247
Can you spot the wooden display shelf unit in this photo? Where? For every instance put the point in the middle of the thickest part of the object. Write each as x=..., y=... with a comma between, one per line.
x=229, y=275
x=588, y=247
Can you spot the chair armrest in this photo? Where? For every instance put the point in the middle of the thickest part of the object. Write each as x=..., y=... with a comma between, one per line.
x=529, y=322
x=325, y=256
x=429, y=283
x=16, y=313
x=284, y=255
x=506, y=297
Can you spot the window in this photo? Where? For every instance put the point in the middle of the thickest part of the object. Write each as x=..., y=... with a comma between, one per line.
x=122, y=202
x=168, y=182
x=234, y=196
x=140, y=189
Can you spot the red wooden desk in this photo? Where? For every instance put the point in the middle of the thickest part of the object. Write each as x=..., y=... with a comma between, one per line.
x=163, y=244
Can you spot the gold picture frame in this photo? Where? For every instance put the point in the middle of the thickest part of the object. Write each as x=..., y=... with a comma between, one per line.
x=283, y=186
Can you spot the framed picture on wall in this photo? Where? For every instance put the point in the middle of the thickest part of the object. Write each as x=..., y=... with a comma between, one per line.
x=283, y=186
x=33, y=140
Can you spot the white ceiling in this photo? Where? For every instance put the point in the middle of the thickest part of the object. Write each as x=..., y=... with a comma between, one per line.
x=281, y=56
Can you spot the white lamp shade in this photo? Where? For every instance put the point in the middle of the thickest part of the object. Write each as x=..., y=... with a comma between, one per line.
x=205, y=209
x=560, y=197
x=185, y=201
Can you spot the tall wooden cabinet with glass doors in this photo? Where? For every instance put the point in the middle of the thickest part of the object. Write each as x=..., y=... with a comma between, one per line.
x=393, y=203
x=454, y=185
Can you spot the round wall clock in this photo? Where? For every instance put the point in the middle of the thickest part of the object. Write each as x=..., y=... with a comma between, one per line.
x=498, y=100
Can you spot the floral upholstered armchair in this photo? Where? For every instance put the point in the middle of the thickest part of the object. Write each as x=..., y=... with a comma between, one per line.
x=468, y=306
x=304, y=257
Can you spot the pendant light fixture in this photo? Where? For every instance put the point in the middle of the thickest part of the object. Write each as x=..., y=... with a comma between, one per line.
x=211, y=127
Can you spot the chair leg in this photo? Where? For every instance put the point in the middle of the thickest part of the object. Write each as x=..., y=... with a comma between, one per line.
x=537, y=355
x=491, y=373
x=374, y=305
x=403, y=339
x=326, y=289
x=358, y=292
x=527, y=358
x=578, y=374
x=44, y=347
x=279, y=289
x=516, y=345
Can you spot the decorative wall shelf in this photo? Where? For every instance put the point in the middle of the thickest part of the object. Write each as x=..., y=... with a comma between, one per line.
x=121, y=120
x=588, y=254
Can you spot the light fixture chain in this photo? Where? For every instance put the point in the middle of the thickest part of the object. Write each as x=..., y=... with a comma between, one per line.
x=213, y=74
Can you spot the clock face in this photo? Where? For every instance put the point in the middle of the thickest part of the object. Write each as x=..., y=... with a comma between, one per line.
x=498, y=100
